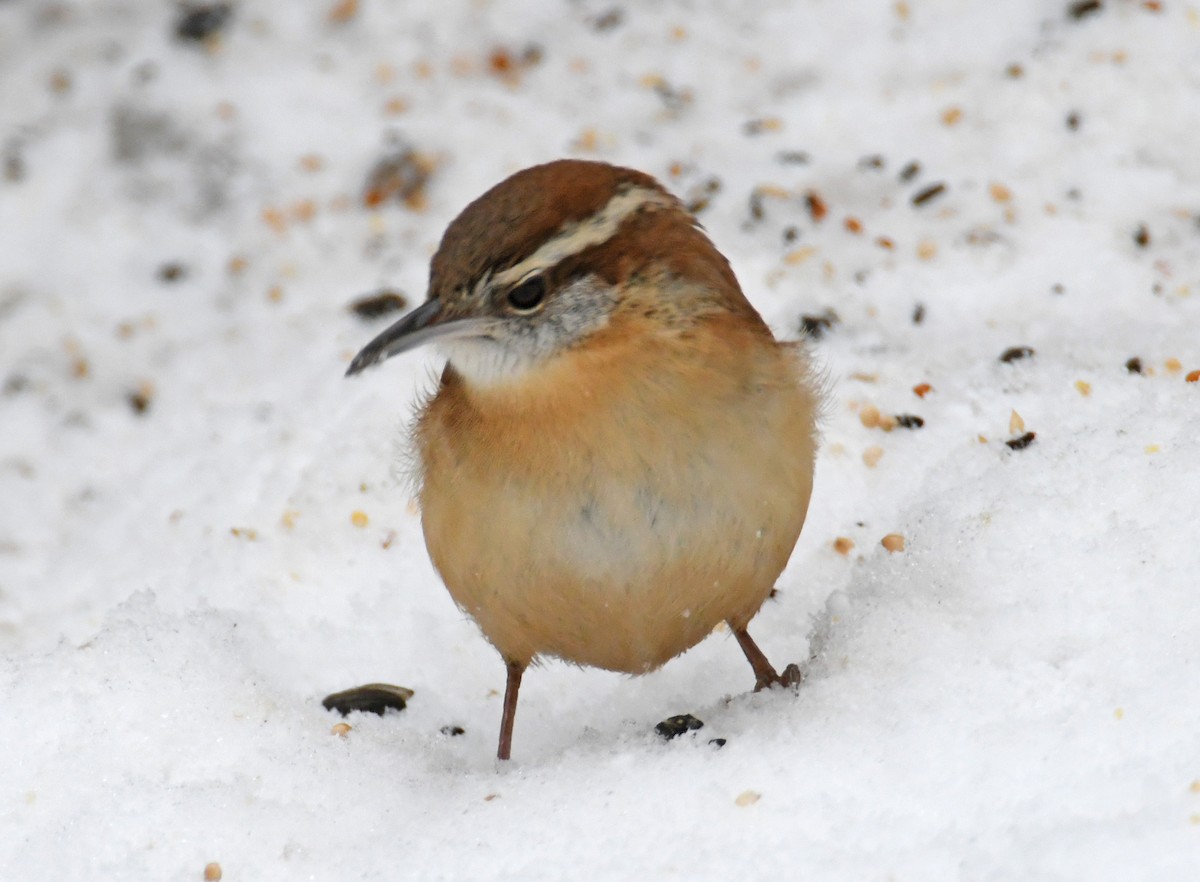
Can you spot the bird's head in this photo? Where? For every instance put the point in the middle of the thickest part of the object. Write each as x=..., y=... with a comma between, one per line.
x=545, y=258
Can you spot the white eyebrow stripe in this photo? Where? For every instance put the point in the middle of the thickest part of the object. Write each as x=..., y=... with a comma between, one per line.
x=594, y=230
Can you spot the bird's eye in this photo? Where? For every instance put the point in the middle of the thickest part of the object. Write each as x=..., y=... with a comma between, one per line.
x=527, y=296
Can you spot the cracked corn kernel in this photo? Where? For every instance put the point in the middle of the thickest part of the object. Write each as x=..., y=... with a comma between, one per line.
x=999, y=192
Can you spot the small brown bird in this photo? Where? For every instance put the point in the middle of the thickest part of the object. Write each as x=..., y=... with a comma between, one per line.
x=619, y=455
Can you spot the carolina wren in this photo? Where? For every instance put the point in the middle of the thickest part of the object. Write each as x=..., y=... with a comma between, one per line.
x=619, y=454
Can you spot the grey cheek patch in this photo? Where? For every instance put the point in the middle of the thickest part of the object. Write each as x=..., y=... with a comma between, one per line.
x=515, y=344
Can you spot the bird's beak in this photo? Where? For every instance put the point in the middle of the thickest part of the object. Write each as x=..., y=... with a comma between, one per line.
x=425, y=323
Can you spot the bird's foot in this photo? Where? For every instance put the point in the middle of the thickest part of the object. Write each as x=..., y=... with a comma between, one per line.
x=791, y=678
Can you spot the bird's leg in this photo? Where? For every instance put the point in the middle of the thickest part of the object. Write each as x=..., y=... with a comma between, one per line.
x=515, y=670
x=764, y=673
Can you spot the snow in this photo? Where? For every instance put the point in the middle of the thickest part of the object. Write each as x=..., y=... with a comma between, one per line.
x=1012, y=696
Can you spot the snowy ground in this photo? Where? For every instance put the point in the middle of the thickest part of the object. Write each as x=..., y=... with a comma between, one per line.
x=183, y=575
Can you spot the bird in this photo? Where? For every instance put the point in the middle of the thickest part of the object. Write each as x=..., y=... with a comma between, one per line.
x=619, y=454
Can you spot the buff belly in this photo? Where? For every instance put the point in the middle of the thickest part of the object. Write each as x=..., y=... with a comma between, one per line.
x=623, y=572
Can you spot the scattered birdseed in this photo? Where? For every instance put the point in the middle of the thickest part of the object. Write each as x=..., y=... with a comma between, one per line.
x=1141, y=236
x=606, y=21
x=139, y=399
x=14, y=164
x=507, y=63
x=816, y=206
x=402, y=176
x=381, y=303
x=870, y=416
x=872, y=455
x=701, y=194
x=453, y=731
x=372, y=698
x=918, y=314
x=1022, y=442
x=212, y=872
x=1173, y=365
x=1016, y=425
x=343, y=11
x=1015, y=353
x=765, y=124
x=815, y=326
x=873, y=419
x=922, y=389
x=909, y=421
x=340, y=729
x=718, y=743
x=928, y=194
x=797, y=257
x=1084, y=388
x=359, y=518
x=747, y=797
x=909, y=172
x=673, y=727
x=15, y=383
x=843, y=545
x=792, y=157
x=201, y=22
x=893, y=542
x=1134, y=365
x=1082, y=8
x=172, y=272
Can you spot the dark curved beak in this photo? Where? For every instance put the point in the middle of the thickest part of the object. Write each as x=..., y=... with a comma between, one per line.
x=429, y=321
x=419, y=326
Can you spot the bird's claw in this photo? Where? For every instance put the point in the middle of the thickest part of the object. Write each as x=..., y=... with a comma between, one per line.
x=791, y=678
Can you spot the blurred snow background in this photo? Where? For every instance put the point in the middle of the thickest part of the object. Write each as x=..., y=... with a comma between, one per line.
x=201, y=535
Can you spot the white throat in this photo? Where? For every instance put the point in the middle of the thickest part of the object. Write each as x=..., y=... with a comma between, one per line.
x=486, y=362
